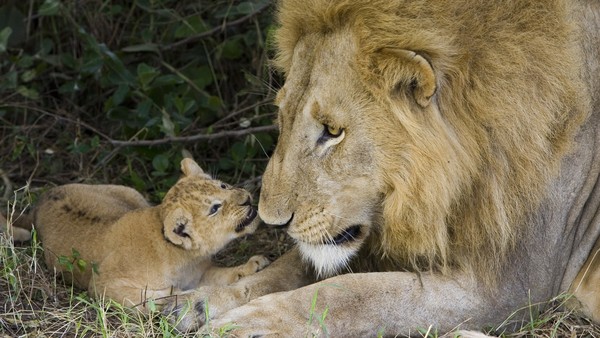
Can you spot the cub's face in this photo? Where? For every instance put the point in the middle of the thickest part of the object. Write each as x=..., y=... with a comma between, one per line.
x=204, y=214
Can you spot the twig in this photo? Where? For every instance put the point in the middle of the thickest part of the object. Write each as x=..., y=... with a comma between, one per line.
x=59, y=117
x=7, y=186
x=214, y=30
x=197, y=137
x=191, y=138
x=244, y=109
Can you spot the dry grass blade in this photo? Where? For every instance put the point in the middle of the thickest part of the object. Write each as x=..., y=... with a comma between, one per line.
x=35, y=301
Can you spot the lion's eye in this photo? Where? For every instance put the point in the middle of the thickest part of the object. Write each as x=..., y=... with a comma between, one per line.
x=214, y=208
x=331, y=135
x=333, y=131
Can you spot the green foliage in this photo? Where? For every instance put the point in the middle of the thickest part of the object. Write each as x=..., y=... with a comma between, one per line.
x=116, y=91
x=75, y=261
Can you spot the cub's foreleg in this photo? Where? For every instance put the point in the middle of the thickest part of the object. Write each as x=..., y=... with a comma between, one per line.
x=132, y=295
x=219, y=275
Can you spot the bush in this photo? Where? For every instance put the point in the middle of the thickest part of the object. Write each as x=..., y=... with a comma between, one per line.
x=117, y=91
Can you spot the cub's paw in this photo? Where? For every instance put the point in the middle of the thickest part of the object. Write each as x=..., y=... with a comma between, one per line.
x=257, y=263
x=191, y=310
x=254, y=265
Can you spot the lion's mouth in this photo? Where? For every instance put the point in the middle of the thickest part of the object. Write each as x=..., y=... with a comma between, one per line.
x=247, y=220
x=348, y=235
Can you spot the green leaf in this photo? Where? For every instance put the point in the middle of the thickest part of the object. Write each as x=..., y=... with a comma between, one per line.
x=183, y=105
x=144, y=47
x=11, y=17
x=49, y=7
x=120, y=94
x=9, y=80
x=68, y=61
x=46, y=46
x=146, y=74
x=214, y=103
x=69, y=87
x=166, y=80
x=246, y=8
x=95, y=142
x=190, y=27
x=28, y=75
x=25, y=61
x=92, y=63
x=143, y=108
x=66, y=263
x=136, y=180
x=238, y=152
x=226, y=163
x=29, y=93
x=80, y=147
x=167, y=124
x=202, y=76
x=232, y=49
x=81, y=264
x=4, y=35
x=160, y=163
x=264, y=140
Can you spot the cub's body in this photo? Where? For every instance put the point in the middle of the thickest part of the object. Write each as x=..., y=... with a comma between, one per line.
x=118, y=246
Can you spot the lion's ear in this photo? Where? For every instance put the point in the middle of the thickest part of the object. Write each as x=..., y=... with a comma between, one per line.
x=411, y=71
x=189, y=167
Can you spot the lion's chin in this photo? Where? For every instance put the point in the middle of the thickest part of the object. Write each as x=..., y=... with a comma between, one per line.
x=328, y=260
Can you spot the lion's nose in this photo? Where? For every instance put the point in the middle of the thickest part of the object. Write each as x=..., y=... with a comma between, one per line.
x=284, y=224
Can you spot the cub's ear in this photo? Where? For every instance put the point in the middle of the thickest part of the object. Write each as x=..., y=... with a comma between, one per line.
x=189, y=167
x=178, y=227
x=408, y=71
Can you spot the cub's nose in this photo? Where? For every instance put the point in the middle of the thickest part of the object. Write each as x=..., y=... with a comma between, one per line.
x=247, y=202
x=242, y=197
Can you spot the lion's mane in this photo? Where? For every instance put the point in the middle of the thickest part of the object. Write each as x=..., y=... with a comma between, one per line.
x=507, y=104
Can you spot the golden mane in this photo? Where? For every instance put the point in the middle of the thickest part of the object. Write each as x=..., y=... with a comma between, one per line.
x=504, y=135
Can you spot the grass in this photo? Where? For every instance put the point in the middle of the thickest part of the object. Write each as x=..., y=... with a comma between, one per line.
x=36, y=302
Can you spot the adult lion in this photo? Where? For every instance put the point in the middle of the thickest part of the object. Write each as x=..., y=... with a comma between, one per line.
x=446, y=153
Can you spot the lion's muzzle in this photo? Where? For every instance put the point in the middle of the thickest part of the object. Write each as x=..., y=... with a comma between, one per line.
x=348, y=235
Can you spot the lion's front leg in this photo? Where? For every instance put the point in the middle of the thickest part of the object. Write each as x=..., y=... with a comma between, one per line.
x=189, y=311
x=365, y=305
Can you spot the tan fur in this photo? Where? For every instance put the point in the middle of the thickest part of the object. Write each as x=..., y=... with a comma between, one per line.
x=15, y=228
x=585, y=289
x=438, y=163
x=452, y=155
x=134, y=252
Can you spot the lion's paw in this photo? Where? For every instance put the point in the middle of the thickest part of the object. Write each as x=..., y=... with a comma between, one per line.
x=193, y=309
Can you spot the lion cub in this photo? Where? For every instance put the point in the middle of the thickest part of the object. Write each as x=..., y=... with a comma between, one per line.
x=120, y=247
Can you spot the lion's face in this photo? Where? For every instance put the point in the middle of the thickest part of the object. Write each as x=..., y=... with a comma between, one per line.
x=201, y=213
x=323, y=178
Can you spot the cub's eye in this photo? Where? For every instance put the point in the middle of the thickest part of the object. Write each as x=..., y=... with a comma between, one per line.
x=223, y=186
x=333, y=131
x=214, y=208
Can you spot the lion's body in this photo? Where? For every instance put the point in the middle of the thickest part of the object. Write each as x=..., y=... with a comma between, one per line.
x=120, y=247
x=459, y=139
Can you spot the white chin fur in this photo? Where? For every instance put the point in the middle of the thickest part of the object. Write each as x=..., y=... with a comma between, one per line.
x=327, y=260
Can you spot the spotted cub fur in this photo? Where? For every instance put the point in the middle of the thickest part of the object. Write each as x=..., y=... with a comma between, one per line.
x=109, y=240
